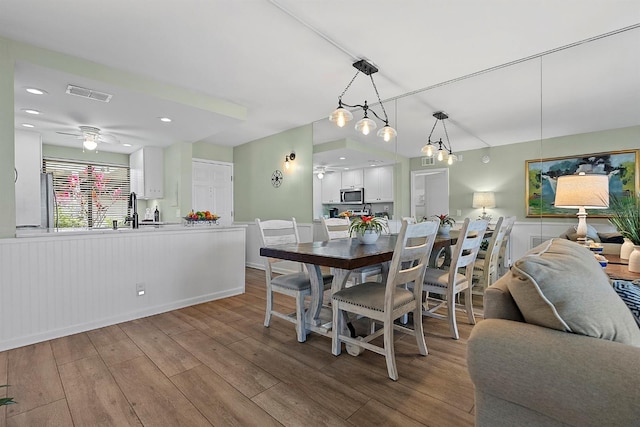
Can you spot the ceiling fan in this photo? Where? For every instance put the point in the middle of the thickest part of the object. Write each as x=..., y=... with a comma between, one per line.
x=91, y=136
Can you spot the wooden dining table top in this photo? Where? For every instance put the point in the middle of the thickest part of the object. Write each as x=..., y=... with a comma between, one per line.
x=347, y=253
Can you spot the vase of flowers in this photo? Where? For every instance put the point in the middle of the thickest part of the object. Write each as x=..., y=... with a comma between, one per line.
x=445, y=224
x=625, y=216
x=367, y=228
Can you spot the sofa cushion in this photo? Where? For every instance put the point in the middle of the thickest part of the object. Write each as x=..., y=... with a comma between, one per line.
x=614, y=237
x=560, y=285
x=630, y=294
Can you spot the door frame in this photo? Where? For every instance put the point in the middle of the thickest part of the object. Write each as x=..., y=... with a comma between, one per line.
x=423, y=172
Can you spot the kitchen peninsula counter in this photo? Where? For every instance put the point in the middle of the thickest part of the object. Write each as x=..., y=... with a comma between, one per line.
x=61, y=283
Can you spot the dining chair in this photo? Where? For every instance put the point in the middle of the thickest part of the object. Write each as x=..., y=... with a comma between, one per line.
x=384, y=302
x=338, y=228
x=503, y=260
x=297, y=285
x=486, y=268
x=459, y=278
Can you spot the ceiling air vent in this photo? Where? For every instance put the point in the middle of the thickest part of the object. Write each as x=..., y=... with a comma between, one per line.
x=88, y=93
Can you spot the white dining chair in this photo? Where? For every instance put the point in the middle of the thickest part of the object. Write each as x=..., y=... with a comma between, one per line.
x=338, y=228
x=296, y=285
x=384, y=302
x=459, y=278
x=485, y=270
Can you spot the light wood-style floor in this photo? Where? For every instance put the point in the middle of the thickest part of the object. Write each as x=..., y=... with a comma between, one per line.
x=216, y=364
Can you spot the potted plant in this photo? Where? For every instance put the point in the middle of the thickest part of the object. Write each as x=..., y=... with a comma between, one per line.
x=367, y=228
x=625, y=216
x=445, y=224
x=6, y=400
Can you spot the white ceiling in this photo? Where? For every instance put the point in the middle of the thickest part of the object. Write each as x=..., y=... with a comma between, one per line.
x=286, y=62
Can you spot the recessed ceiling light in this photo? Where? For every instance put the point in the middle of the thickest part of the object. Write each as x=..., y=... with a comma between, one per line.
x=126, y=144
x=30, y=111
x=35, y=91
x=165, y=119
x=343, y=158
x=346, y=169
x=28, y=125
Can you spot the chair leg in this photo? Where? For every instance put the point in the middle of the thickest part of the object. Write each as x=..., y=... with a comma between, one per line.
x=336, y=344
x=267, y=316
x=300, y=315
x=389, y=353
x=468, y=303
x=419, y=330
x=451, y=316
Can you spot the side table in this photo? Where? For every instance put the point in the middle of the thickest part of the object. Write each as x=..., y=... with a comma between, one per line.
x=619, y=269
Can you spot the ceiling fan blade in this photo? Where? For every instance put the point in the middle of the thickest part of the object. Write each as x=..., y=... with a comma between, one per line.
x=67, y=133
x=109, y=138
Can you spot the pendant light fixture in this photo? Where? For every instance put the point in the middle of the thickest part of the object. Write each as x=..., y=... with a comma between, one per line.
x=365, y=125
x=443, y=149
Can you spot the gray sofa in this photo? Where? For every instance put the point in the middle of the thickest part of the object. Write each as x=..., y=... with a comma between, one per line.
x=557, y=346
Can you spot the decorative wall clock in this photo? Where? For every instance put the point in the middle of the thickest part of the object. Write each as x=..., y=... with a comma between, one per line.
x=276, y=178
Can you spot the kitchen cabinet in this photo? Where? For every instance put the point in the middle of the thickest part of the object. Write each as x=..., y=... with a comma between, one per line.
x=28, y=165
x=331, y=184
x=146, y=169
x=378, y=184
x=352, y=179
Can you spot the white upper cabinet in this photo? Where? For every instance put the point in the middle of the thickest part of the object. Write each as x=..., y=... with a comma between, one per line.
x=146, y=168
x=352, y=179
x=378, y=184
x=331, y=184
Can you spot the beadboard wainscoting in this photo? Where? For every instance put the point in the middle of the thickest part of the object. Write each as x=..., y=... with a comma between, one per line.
x=63, y=284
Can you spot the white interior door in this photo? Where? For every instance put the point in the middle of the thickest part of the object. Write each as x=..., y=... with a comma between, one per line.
x=212, y=188
x=429, y=193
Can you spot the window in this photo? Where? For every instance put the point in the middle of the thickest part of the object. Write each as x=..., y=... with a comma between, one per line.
x=88, y=195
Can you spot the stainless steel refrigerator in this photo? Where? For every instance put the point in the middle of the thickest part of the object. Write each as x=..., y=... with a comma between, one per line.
x=47, y=202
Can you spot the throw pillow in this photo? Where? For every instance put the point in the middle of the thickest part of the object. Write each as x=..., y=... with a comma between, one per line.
x=630, y=294
x=570, y=234
x=614, y=237
x=560, y=285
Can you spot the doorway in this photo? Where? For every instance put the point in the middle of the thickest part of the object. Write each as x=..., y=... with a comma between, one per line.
x=429, y=193
x=212, y=188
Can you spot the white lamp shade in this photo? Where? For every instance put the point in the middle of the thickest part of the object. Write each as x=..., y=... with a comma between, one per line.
x=582, y=191
x=90, y=144
x=484, y=199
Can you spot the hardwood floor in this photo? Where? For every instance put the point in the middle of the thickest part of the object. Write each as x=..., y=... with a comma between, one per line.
x=216, y=364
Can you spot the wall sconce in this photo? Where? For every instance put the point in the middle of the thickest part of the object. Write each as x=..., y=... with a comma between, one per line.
x=579, y=192
x=288, y=159
x=484, y=199
x=341, y=116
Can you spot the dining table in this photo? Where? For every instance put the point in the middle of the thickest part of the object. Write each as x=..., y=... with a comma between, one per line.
x=342, y=256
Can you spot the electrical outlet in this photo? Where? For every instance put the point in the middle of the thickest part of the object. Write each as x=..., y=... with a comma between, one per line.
x=177, y=213
x=386, y=208
x=140, y=289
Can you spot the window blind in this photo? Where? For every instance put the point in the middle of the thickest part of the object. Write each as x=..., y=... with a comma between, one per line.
x=88, y=195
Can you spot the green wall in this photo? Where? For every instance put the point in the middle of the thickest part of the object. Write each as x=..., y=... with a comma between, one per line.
x=7, y=144
x=254, y=162
x=203, y=150
x=505, y=173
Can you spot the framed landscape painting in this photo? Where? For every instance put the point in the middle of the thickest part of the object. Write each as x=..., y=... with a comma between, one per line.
x=541, y=176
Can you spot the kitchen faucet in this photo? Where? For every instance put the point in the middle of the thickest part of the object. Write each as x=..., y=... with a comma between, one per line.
x=133, y=204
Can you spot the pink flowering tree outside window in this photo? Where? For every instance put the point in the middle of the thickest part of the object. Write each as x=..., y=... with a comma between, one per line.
x=88, y=195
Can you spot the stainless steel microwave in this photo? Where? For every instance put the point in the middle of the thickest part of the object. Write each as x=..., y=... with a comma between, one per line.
x=352, y=195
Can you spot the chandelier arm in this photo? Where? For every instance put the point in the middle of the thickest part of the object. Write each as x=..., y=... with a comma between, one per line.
x=347, y=88
x=432, y=129
x=386, y=118
x=447, y=135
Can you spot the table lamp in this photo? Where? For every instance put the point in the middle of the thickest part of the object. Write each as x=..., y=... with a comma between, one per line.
x=582, y=192
x=484, y=199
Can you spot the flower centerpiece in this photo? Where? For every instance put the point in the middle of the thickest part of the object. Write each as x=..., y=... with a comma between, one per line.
x=445, y=224
x=367, y=228
x=625, y=216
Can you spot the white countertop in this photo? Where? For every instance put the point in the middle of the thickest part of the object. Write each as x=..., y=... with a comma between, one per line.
x=146, y=228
